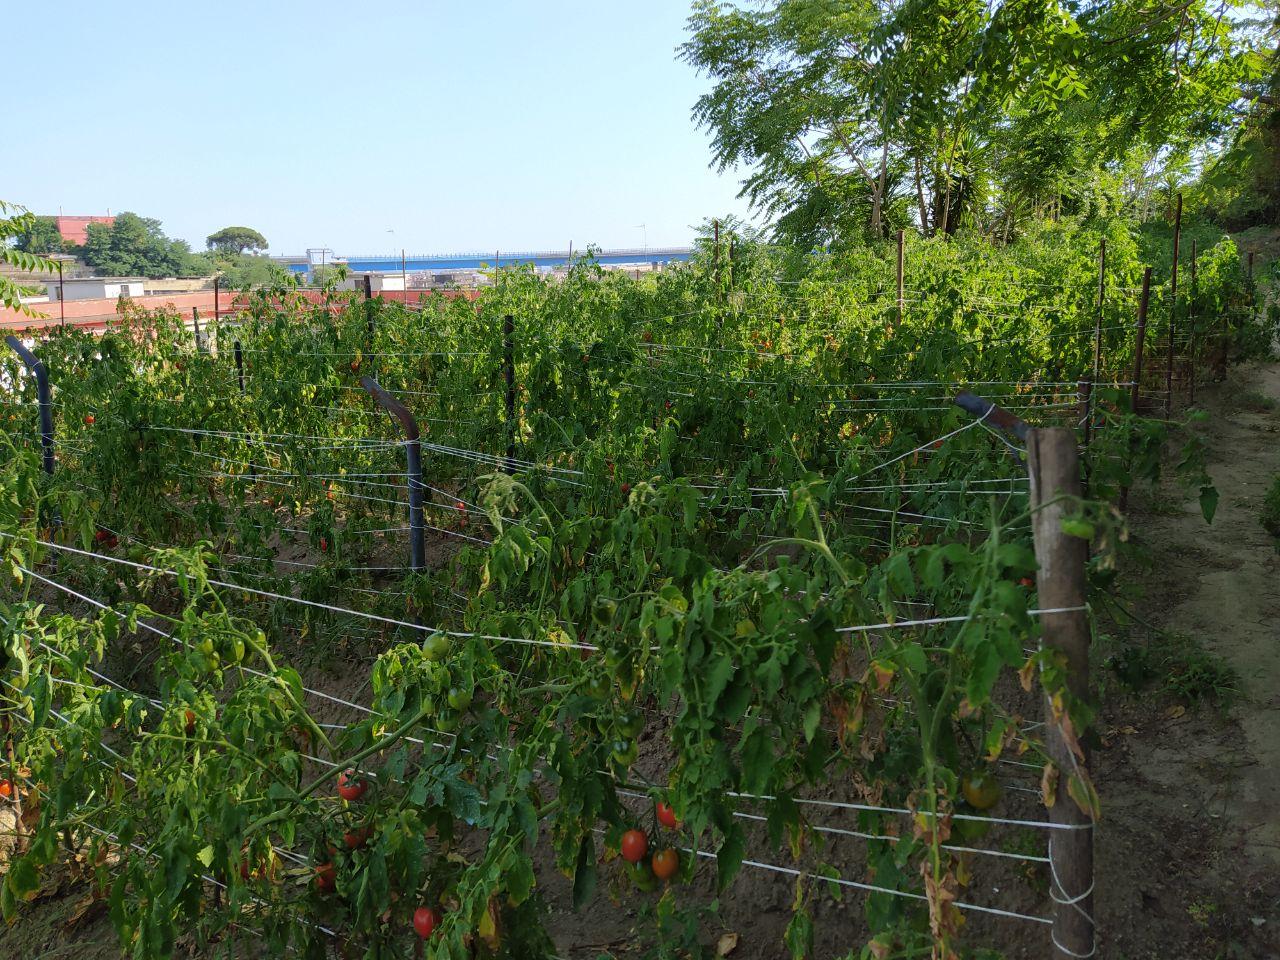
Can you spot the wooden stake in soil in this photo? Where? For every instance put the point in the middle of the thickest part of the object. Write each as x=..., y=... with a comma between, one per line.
x=1054, y=466
x=1084, y=395
x=1191, y=331
x=1137, y=361
x=1141, y=339
x=901, y=255
x=1173, y=309
x=1102, y=299
x=509, y=374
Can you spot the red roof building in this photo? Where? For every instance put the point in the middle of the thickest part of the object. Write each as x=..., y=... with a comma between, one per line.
x=74, y=230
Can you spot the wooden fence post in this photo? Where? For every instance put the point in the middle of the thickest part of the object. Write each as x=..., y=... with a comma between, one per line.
x=1140, y=340
x=1054, y=466
x=509, y=374
x=1139, y=343
x=1191, y=331
x=1084, y=394
x=1173, y=309
x=901, y=256
x=1102, y=299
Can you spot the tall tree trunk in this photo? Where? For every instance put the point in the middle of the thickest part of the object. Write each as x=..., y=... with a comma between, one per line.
x=924, y=208
x=877, y=209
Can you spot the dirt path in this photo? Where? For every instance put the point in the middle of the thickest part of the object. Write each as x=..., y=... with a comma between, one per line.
x=1189, y=851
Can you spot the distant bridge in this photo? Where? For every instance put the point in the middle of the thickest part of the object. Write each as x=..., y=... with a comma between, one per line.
x=419, y=263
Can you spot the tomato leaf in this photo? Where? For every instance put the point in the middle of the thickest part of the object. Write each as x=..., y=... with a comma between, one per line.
x=729, y=856
x=584, y=875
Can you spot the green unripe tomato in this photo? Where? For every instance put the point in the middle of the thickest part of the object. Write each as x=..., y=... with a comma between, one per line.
x=603, y=611
x=436, y=647
x=625, y=752
x=459, y=698
x=598, y=687
x=630, y=723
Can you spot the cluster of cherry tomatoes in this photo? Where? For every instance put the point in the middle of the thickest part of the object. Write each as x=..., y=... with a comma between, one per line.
x=664, y=863
x=351, y=788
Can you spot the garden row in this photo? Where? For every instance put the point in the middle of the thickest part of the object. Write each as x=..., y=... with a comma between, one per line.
x=716, y=576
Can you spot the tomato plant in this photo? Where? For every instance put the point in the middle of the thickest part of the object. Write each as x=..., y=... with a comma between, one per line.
x=716, y=486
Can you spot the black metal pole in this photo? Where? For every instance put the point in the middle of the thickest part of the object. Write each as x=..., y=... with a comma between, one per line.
x=413, y=457
x=509, y=373
x=37, y=367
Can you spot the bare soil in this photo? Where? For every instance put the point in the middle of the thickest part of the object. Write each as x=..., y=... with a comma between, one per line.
x=1188, y=853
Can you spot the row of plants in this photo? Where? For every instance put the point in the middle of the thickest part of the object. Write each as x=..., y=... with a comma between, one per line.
x=623, y=648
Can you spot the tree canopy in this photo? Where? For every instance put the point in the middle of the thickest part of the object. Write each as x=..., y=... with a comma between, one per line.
x=15, y=223
x=136, y=245
x=42, y=237
x=236, y=240
x=863, y=116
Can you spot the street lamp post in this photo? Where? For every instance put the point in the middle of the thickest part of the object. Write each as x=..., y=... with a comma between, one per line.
x=60, y=259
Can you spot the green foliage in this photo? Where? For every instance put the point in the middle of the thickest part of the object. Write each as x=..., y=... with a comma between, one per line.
x=1271, y=508
x=853, y=119
x=244, y=271
x=41, y=238
x=137, y=246
x=719, y=471
x=233, y=241
x=16, y=223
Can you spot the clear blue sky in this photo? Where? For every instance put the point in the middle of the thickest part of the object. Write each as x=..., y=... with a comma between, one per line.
x=459, y=126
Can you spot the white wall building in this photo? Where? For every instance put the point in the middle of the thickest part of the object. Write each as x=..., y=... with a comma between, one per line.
x=96, y=288
x=378, y=282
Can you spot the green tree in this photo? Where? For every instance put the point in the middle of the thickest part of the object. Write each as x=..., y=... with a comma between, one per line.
x=42, y=238
x=136, y=245
x=15, y=223
x=236, y=240
x=972, y=113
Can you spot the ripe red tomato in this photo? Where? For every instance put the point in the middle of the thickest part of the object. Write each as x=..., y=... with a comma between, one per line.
x=355, y=365
x=89, y=420
x=626, y=489
x=326, y=878
x=425, y=921
x=666, y=816
x=357, y=838
x=634, y=846
x=324, y=545
x=6, y=789
x=1026, y=582
x=665, y=864
x=350, y=786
